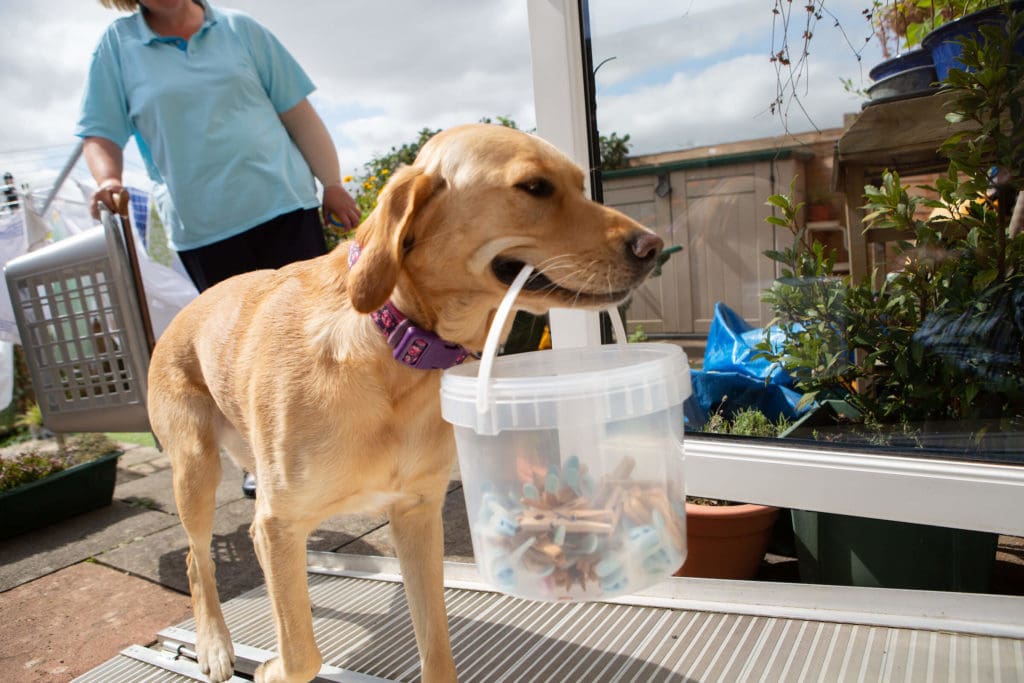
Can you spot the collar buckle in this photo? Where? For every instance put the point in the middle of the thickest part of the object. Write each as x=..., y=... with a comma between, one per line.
x=412, y=345
x=423, y=350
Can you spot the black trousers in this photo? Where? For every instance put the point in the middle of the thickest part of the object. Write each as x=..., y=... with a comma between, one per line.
x=290, y=237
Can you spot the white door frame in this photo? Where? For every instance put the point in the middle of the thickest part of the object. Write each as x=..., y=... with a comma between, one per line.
x=555, y=48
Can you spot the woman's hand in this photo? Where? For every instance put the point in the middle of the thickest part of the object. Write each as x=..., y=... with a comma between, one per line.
x=105, y=195
x=106, y=163
x=339, y=202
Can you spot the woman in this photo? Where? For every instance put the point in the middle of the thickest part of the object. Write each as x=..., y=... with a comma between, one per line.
x=219, y=110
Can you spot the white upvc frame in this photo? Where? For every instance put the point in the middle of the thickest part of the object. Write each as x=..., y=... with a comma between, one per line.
x=942, y=492
x=561, y=113
x=960, y=494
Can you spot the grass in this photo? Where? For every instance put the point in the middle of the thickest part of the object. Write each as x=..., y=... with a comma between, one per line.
x=137, y=438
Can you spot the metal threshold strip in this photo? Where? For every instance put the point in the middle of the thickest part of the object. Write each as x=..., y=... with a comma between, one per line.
x=682, y=630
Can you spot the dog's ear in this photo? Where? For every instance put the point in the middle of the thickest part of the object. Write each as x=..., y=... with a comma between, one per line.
x=382, y=238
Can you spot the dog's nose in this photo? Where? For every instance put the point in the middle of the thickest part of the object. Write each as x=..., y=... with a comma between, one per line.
x=645, y=246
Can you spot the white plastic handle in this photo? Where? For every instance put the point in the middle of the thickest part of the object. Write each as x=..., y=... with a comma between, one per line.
x=617, y=326
x=494, y=335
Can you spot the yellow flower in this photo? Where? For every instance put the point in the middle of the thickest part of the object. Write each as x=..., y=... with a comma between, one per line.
x=347, y=179
x=385, y=171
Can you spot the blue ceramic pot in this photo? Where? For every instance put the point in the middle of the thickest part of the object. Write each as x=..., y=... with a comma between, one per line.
x=943, y=43
x=911, y=59
x=910, y=83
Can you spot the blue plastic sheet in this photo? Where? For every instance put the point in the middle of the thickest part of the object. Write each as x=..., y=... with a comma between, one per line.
x=733, y=379
x=731, y=348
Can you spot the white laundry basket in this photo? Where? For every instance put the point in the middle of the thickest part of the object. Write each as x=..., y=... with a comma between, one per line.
x=81, y=324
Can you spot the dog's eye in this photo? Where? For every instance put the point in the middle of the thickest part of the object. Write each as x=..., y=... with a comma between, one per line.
x=537, y=187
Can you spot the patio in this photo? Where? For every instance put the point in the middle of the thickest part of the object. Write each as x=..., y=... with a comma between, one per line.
x=77, y=593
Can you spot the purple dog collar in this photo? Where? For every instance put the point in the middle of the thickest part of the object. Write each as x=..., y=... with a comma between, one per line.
x=412, y=345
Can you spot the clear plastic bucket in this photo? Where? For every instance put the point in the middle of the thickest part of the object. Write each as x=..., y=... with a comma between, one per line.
x=572, y=467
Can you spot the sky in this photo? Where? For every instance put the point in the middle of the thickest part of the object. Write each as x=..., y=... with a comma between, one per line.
x=675, y=74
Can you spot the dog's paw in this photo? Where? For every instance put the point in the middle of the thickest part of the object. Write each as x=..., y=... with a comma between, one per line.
x=272, y=671
x=216, y=659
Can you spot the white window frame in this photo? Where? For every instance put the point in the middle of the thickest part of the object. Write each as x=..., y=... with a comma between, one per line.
x=943, y=492
x=561, y=120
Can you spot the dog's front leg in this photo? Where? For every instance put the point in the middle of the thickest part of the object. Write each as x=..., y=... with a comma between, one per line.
x=419, y=540
x=196, y=473
x=281, y=549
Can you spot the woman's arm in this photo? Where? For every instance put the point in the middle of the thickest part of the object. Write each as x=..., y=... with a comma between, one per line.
x=105, y=159
x=310, y=134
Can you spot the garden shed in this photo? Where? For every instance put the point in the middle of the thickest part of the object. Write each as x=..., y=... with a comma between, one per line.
x=712, y=202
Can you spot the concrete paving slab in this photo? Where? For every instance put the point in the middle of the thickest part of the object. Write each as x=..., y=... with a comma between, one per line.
x=64, y=624
x=40, y=552
x=135, y=455
x=153, y=492
x=160, y=556
x=337, y=531
x=457, y=544
x=157, y=492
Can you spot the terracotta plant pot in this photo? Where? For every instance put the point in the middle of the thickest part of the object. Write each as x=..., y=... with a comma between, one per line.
x=819, y=211
x=726, y=541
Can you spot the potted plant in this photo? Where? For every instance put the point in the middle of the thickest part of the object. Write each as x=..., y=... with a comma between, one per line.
x=925, y=37
x=726, y=539
x=902, y=25
x=39, y=488
x=943, y=42
x=819, y=207
x=938, y=344
x=918, y=41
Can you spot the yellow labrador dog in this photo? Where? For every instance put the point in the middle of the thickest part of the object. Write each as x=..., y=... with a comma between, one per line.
x=323, y=377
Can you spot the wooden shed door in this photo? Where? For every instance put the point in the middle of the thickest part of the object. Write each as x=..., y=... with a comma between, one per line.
x=660, y=305
x=717, y=214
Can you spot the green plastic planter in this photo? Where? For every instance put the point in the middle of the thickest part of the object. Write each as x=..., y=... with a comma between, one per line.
x=856, y=551
x=70, y=492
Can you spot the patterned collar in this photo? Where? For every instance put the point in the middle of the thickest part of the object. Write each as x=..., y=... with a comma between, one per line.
x=412, y=345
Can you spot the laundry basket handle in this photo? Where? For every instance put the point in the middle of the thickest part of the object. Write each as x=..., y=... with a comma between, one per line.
x=123, y=201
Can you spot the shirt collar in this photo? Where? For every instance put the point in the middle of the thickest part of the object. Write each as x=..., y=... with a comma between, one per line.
x=149, y=36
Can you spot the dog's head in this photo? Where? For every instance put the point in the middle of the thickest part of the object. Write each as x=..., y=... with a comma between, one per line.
x=452, y=231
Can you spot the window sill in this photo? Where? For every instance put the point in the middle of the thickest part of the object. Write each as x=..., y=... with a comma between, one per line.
x=941, y=492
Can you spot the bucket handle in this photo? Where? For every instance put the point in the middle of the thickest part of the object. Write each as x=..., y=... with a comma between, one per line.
x=498, y=323
x=494, y=335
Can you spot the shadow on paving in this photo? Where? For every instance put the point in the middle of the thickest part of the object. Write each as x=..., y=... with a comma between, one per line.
x=42, y=551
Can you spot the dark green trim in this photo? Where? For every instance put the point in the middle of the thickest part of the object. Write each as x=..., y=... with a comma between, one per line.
x=708, y=162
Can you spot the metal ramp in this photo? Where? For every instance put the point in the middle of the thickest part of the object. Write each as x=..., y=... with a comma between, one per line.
x=682, y=630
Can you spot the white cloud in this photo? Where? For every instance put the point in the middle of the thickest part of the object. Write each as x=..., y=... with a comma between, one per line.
x=385, y=70
x=705, y=77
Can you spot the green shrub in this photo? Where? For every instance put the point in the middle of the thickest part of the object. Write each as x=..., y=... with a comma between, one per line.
x=941, y=337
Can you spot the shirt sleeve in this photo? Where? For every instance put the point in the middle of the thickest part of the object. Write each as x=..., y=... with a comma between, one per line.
x=283, y=78
x=104, y=111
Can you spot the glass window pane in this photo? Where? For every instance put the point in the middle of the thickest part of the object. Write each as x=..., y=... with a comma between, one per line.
x=840, y=276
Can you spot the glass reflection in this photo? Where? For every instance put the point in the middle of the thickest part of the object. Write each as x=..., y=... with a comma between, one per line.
x=850, y=270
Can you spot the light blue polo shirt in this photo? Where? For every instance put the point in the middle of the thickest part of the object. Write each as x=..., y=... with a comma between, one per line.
x=206, y=113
